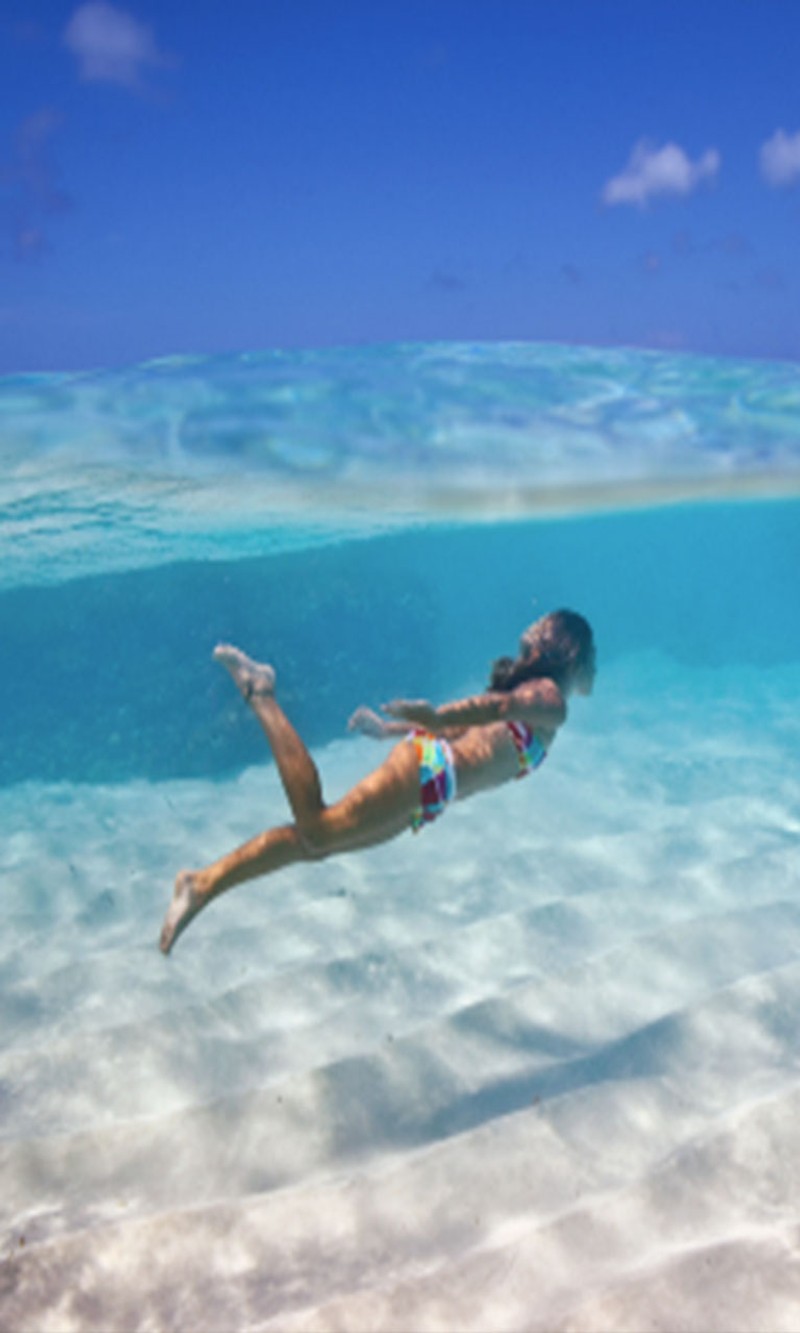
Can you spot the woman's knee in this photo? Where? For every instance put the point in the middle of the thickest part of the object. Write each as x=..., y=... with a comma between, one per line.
x=317, y=840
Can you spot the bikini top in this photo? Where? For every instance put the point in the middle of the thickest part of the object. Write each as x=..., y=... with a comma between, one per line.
x=530, y=751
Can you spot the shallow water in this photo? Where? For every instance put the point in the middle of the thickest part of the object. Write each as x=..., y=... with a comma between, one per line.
x=536, y=1068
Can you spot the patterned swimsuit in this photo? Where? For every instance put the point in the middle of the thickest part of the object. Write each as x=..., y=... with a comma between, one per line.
x=530, y=751
x=437, y=774
x=437, y=777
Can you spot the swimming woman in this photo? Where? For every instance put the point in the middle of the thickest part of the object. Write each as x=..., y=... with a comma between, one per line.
x=446, y=754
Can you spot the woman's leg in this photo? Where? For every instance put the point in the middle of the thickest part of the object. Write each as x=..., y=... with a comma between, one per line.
x=299, y=775
x=195, y=889
x=374, y=811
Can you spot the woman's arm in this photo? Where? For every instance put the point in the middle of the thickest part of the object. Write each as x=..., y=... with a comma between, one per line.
x=369, y=723
x=540, y=703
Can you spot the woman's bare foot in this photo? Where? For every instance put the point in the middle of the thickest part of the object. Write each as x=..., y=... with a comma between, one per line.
x=251, y=678
x=187, y=901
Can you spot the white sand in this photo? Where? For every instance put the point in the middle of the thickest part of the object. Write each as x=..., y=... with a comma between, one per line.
x=535, y=1069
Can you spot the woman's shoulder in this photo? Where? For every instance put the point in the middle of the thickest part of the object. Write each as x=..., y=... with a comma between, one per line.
x=539, y=702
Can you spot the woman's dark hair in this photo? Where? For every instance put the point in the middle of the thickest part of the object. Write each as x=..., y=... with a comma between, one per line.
x=558, y=644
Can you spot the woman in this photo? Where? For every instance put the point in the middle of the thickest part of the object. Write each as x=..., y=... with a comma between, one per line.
x=450, y=753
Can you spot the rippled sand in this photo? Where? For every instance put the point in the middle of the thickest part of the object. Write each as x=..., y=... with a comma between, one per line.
x=537, y=1068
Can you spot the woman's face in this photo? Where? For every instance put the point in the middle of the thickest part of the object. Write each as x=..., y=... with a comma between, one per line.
x=582, y=678
x=585, y=672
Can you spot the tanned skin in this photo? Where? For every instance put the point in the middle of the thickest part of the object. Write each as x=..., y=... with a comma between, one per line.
x=381, y=806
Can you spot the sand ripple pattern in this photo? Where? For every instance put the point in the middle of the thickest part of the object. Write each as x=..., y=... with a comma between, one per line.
x=538, y=1069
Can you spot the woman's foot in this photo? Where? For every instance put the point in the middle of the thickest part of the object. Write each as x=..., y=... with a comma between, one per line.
x=251, y=678
x=187, y=901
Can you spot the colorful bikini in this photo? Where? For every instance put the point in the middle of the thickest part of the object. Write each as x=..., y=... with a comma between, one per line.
x=437, y=774
x=437, y=777
x=530, y=751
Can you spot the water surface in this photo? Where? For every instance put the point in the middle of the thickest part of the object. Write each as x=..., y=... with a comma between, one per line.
x=400, y=1089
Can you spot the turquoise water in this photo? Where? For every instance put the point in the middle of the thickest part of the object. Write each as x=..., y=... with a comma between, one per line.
x=613, y=943
x=396, y=513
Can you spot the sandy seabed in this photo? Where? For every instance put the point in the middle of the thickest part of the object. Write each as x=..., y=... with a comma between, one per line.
x=535, y=1069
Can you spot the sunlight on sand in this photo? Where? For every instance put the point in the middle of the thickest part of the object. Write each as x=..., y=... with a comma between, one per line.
x=536, y=1068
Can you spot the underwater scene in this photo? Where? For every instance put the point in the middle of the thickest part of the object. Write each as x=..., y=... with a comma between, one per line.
x=536, y=1068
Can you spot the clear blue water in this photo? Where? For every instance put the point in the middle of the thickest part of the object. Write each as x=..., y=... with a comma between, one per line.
x=391, y=515
x=225, y=457
x=545, y=1019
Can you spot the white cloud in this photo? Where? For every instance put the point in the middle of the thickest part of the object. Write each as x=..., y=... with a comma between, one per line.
x=780, y=158
x=653, y=171
x=110, y=45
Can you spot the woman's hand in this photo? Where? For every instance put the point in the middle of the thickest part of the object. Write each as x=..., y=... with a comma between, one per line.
x=368, y=723
x=418, y=712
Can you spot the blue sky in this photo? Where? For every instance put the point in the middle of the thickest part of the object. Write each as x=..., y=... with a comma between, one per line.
x=213, y=177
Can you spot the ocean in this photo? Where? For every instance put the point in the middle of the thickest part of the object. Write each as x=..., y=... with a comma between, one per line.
x=537, y=1068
